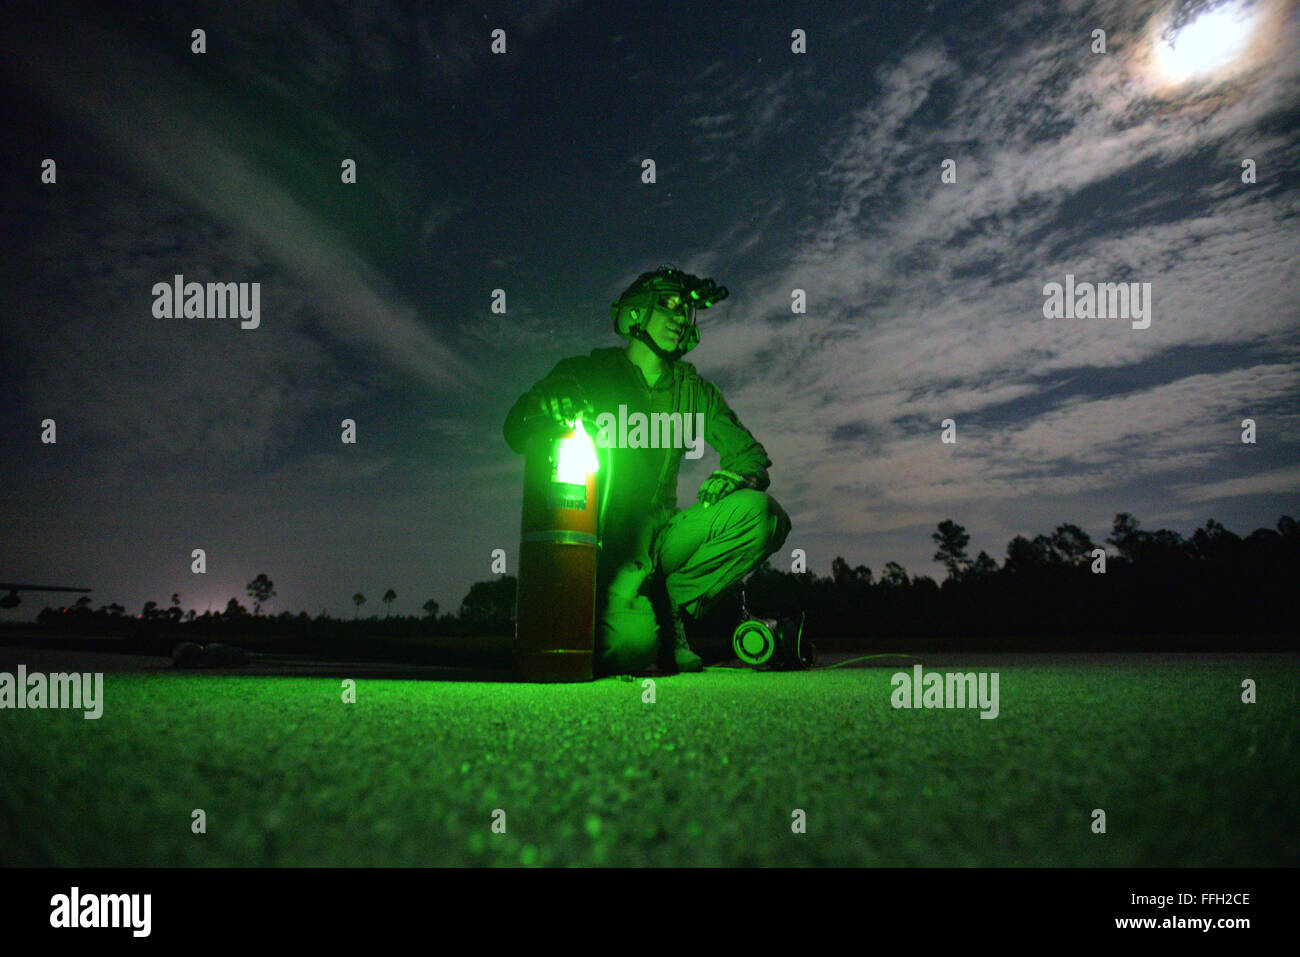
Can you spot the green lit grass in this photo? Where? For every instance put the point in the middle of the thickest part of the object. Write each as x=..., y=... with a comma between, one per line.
x=588, y=774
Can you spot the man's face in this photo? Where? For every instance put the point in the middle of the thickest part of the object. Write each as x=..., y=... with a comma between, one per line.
x=668, y=321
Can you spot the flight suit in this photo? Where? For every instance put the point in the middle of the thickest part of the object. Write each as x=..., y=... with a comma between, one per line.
x=656, y=558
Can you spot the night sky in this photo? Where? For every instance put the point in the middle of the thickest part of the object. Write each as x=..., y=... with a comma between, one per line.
x=776, y=171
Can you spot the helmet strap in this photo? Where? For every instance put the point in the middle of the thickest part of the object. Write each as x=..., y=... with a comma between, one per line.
x=638, y=332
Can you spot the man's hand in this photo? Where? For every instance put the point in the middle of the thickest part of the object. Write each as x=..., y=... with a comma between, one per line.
x=721, y=484
x=562, y=401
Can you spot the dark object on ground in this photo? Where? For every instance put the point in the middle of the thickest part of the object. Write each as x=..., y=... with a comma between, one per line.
x=187, y=654
x=213, y=655
x=217, y=655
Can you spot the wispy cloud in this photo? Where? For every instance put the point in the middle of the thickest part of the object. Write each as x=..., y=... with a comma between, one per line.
x=192, y=156
x=1272, y=482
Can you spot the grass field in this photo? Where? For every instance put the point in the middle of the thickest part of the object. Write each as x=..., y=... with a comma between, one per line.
x=709, y=774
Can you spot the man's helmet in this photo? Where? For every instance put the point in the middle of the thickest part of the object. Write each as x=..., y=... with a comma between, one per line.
x=668, y=289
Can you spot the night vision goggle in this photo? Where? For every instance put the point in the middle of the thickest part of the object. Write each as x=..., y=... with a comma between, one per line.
x=672, y=302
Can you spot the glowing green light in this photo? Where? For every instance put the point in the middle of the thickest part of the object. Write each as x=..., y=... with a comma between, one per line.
x=576, y=458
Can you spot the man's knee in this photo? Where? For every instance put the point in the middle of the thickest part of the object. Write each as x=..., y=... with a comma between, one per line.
x=778, y=522
x=769, y=518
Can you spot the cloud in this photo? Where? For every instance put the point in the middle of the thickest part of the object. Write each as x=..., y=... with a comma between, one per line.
x=925, y=299
x=194, y=157
x=1272, y=482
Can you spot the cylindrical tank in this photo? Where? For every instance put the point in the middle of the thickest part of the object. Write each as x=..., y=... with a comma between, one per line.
x=555, y=611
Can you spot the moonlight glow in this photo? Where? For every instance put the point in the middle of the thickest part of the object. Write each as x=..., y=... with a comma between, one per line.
x=1211, y=41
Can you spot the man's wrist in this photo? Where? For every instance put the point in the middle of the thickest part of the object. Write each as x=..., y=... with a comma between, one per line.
x=742, y=481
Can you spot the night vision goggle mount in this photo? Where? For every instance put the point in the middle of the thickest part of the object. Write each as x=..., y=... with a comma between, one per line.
x=651, y=289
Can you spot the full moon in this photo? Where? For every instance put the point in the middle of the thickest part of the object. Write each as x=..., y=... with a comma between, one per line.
x=1212, y=40
x=1206, y=60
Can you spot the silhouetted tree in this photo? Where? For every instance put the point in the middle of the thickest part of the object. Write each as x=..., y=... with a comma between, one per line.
x=1027, y=556
x=1070, y=545
x=926, y=587
x=261, y=589
x=842, y=574
x=1167, y=541
x=150, y=610
x=1289, y=529
x=490, y=602
x=388, y=599
x=1215, y=543
x=895, y=575
x=358, y=599
x=983, y=567
x=234, y=609
x=1125, y=536
x=952, y=541
x=431, y=608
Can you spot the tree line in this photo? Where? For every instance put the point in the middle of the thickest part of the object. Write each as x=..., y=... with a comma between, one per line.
x=1146, y=583
x=1062, y=583
x=488, y=608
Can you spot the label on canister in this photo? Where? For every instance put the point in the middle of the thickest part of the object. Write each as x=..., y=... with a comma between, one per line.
x=568, y=495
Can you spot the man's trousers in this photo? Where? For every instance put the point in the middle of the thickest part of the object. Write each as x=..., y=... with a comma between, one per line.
x=694, y=557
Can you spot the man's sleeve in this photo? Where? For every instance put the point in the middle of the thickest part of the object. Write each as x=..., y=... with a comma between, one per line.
x=526, y=415
x=738, y=450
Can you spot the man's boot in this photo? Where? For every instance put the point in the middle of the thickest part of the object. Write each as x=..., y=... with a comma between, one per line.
x=684, y=659
x=675, y=653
